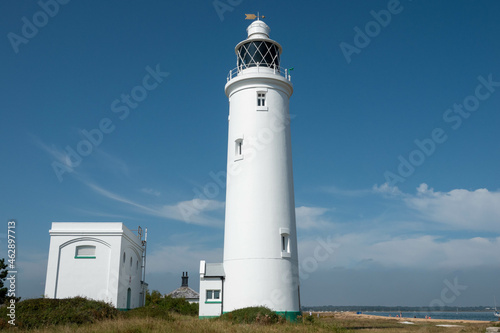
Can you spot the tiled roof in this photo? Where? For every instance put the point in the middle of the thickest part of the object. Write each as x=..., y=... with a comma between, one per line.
x=184, y=292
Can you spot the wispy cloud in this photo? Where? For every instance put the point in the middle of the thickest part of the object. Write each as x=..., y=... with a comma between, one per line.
x=150, y=191
x=312, y=217
x=194, y=211
x=101, y=158
x=346, y=193
x=57, y=154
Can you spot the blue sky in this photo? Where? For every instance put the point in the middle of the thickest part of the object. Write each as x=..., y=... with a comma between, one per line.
x=395, y=139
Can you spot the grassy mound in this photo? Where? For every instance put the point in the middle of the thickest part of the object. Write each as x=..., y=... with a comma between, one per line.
x=40, y=312
x=257, y=314
x=161, y=307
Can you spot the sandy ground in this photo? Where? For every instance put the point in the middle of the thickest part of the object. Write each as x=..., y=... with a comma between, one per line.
x=353, y=315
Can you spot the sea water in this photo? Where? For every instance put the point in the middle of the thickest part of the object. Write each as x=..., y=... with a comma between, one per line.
x=485, y=316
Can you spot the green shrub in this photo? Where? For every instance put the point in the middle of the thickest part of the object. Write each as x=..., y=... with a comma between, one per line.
x=257, y=314
x=41, y=312
x=309, y=319
x=163, y=306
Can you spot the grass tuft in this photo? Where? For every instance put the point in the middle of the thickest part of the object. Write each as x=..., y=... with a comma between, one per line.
x=256, y=314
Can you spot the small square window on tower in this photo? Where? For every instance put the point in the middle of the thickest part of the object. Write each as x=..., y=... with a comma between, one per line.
x=261, y=99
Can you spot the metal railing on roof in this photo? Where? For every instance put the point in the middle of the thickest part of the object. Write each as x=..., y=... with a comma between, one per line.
x=284, y=72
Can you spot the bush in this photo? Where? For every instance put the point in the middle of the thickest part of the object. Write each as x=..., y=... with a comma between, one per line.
x=308, y=319
x=161, y=307
x=41, y=312
x=257, y=314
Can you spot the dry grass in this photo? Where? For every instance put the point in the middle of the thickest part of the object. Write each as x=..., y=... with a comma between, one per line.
x=327, y=323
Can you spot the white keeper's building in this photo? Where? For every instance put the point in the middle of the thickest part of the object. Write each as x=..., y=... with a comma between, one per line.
x=98, y=260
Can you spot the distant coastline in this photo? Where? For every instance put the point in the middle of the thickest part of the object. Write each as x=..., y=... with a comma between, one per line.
x=371, y=308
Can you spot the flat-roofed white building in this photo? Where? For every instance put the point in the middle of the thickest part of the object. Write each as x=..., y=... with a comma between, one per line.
x=211, y=289
x=98, y=260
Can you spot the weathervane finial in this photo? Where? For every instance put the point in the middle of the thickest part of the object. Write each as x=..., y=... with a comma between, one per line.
x=253, y=16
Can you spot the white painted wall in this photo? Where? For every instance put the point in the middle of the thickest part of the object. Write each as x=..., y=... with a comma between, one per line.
x=105, y=277
x=209, y=309
x=260, y=196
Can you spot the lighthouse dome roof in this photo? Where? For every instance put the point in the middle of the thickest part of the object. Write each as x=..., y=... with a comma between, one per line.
x=258, y=29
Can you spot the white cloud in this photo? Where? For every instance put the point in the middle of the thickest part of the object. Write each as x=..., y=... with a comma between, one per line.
x=193, y=211
x=423, y=252
x=476, y=210
x=387, y=189
x=311, y=217
x=432, y=252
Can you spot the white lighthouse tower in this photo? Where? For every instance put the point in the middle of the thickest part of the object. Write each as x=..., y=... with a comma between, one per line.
x=260, y=265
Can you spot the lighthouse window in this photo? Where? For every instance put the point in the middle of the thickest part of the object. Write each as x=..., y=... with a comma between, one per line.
x=261, y=99
x=238, y=149
x=85, y=252
x=284, y=243
x=258, y=53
